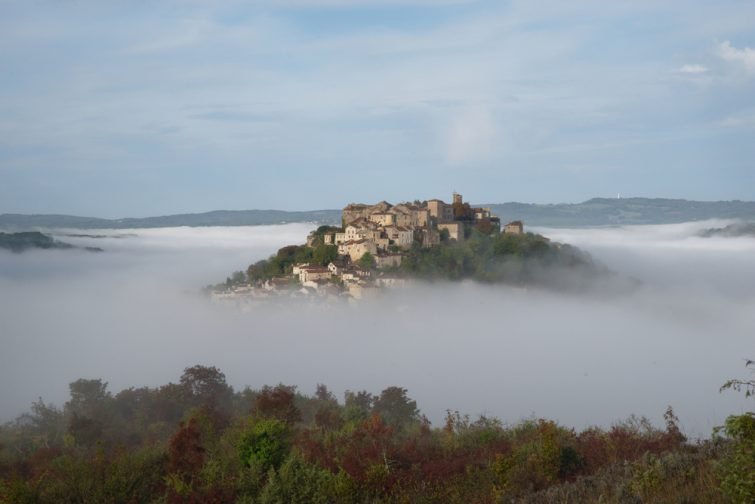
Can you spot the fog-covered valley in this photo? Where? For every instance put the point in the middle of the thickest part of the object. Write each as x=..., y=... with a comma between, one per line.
x=133, y=316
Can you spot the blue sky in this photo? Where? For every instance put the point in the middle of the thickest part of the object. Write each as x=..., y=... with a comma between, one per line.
x=134, y=108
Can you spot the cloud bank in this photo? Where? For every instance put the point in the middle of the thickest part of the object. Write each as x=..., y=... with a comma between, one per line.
x=131, y=316
x=744, y=57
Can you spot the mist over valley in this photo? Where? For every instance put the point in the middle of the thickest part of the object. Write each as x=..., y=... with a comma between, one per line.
x=133, y=316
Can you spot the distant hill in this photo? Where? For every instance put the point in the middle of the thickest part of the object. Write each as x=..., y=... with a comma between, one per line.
x=731, y=231
x=215, y=218
x=20, y=242
x=594, y=212
x=624, y=211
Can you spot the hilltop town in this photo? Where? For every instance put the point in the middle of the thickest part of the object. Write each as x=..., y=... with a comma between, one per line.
x=366, y=252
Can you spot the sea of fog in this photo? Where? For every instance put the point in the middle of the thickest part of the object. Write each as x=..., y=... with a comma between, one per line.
x=132, y=316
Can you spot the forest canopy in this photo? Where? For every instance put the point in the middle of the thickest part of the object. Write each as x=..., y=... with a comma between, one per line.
x=199, y=440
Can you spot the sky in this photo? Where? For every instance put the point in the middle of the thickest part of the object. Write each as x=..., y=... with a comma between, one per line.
x=138, y=108
x=132, y=317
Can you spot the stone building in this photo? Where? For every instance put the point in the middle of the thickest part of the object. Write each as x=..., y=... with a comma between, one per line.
x=440, y=211
x=356, y=211
x=514, y=227
x=401, y=236
x=455, y=230
x=314, y=273
x=355, y=249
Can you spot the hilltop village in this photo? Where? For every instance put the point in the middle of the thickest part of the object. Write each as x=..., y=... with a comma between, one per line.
x=365, y=253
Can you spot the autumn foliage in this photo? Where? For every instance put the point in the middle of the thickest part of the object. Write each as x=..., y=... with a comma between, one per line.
x=199, y=441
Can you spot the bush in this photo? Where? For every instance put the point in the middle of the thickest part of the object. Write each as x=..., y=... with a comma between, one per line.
x=265, y=444
x=737, y=468
x=298, y=482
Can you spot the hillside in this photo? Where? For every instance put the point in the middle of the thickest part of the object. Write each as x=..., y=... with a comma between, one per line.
x=20, y=242
x=736, y=230
x=594, y=212
x=611, y=212
x=215, y=218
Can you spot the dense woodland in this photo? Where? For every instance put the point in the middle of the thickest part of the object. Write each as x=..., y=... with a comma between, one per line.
x=20, y=242
x=487, y=257
x=497, y=257
x=199, y=441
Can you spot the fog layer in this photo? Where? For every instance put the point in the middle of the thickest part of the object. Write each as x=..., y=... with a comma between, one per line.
x=132, y=316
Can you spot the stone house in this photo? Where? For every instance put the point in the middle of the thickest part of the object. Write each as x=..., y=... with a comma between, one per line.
x=355, y=249
x=514, y=227
x=362, y=229
x=298, y=267
x=400, y=235
x=383, y=219
x=440, y=211
x=314, y=273
x=337, y=267
x=455, y=230
x=356, y=211
x=429, y=238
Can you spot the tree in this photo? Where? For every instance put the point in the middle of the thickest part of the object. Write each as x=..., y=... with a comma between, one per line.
x=265, y=444
x=357, y=405
x=185, y=453
x=462, y=211
x=367, y=261
x=186, y=457
x=84, y=430
x=277, y=403
x=737, y=467
x=323, y=394
x=87, y=396
x=324, y=254
x=238, y=277
x=738, y=385
x=45, y=421
x=205, y=385
x=87, y=410
x=327, y=413
x=396, y=409
x=298, y=482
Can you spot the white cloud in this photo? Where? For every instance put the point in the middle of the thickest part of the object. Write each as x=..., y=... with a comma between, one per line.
x=692, y=69
x=186, y=33
x=471, y=136
x=745, y=119
x=744, y=56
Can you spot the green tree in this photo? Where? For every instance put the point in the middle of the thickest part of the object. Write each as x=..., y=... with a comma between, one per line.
x=367, y=261
x=265, y=444
x=324, y=254
x=205, y=385
x=298, y=482
x=88, y=411
x=737, y=468
x=396, y=408
x=357, y=405
x=87, y=396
